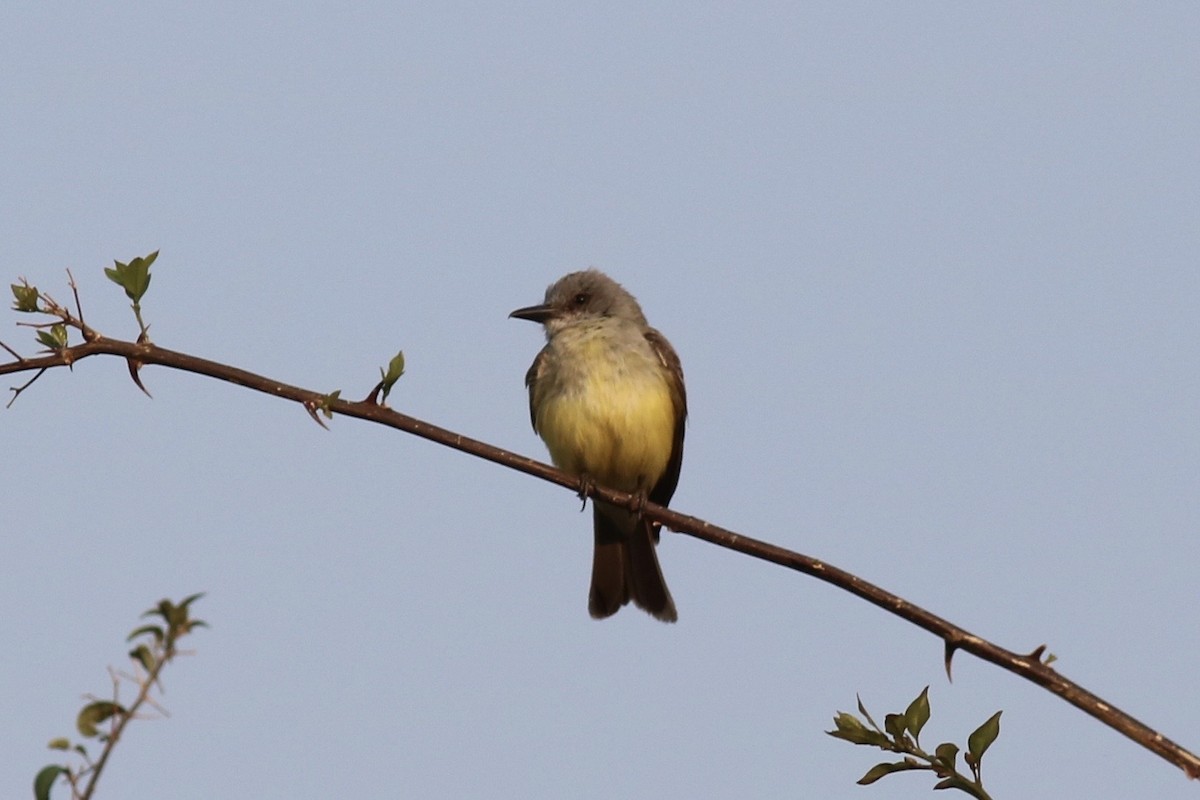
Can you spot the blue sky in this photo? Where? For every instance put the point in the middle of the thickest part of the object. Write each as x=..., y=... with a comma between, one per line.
x=932, y=273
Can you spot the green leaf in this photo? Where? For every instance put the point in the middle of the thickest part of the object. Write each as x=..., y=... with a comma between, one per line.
x=395, y=369
x=947, y=754
x=983, y=736
x=55, y=338
x=873, y=738
x=133, y=277
x=327, y=402
x=191, y=598
x=177, y=616
x=863, y=710
x=143, y=656
x=879, y=770
x=153, y=630
x=847, y=722
x=95, y=713
x=26, y=297
x=389, y=377
x=45, y=781
x=894, y=724
x=917, y=714
x=852, y=730
x=61, y=743
x=955, y=782
x=162, y=609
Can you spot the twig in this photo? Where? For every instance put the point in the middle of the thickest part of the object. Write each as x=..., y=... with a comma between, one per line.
x=88, y=333
x=12, y=352
x=16, y=390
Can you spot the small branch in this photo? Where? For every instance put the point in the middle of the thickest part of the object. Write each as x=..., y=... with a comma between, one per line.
x=955, y=638
x=88, y=333
x=149, y=659
x=119, y=721
x=56, y=309
x=144, y=336
x=16, y=390
x=12, y=352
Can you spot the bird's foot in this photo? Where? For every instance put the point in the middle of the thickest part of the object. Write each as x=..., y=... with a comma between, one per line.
x=586, y=484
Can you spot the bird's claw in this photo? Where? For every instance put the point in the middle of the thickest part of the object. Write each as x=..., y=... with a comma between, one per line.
x=586, y=484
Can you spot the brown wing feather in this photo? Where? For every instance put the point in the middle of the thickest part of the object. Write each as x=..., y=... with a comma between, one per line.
x=531, y=379
x=662, y=491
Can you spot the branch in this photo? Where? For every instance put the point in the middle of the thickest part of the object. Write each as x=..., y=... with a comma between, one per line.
x=151, y=656
x=1029, y=666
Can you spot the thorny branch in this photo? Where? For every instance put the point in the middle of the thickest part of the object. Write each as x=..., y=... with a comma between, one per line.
x=1029, y=666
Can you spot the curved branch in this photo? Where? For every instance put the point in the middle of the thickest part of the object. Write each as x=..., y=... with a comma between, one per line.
x=1030, y=666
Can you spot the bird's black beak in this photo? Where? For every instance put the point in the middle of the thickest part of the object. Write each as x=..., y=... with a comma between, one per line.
x=533, y=313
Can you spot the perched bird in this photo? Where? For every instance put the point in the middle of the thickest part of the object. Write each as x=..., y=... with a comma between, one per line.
x=606, y=395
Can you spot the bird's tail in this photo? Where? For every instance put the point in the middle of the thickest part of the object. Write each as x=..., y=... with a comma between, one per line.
x=625, y=566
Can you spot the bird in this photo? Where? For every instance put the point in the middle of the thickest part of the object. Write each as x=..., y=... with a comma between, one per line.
x=606, y=395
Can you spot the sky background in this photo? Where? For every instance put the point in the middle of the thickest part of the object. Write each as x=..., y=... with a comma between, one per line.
x=932, y=272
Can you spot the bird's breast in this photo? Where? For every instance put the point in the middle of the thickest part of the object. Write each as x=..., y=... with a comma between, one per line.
x=605, y=409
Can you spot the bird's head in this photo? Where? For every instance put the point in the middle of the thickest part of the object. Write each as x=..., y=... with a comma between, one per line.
x=582, y=297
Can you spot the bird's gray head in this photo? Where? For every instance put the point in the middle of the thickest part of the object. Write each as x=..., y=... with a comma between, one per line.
x=580, y=296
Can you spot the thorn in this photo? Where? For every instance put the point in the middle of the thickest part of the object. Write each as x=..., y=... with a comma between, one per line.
x=1036, y=655
x=311, y=408
x=950, y=649
x=134, y=366
x=373, y=397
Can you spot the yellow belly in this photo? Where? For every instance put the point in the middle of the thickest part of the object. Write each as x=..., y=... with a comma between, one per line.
x=612, y=420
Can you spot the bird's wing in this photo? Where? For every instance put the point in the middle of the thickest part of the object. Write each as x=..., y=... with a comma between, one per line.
x=531, y=382
x=663, y=490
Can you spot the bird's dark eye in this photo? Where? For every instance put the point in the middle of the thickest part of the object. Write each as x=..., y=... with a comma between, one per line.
x=580, y=299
